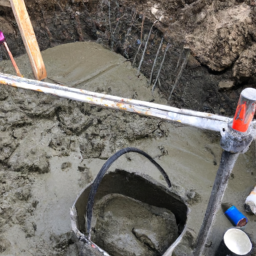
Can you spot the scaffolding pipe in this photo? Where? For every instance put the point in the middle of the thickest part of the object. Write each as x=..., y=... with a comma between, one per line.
x=188, y=117
x=227, y=163
x=236, y=139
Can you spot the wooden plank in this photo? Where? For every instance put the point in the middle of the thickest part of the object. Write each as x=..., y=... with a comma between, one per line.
x=29, y=38
x=5, y=3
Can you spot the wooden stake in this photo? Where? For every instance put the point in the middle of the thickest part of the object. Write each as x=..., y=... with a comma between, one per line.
x=29, y=38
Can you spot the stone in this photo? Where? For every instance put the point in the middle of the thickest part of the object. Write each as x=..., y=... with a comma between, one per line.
x=226, y=84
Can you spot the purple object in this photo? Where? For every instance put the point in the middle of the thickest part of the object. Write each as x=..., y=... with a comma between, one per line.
x=2, y=38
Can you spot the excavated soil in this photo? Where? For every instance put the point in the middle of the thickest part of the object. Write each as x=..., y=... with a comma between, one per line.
x=50, y=148
x=220, y=34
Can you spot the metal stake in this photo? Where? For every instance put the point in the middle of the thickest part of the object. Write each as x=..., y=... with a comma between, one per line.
x=227, y=163
x=236, y=138
x=2, y=41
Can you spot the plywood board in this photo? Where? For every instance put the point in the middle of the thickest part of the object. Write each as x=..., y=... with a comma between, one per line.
x=29, y=38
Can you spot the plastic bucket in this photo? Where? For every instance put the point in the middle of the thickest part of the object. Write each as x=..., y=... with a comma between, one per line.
x=133, y=185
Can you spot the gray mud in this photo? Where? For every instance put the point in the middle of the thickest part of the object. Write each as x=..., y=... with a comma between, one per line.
x=51, y=148
x=129, y=227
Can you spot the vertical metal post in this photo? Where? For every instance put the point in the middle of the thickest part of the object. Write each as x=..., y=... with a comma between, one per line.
x=227, y=163
x=236, y=139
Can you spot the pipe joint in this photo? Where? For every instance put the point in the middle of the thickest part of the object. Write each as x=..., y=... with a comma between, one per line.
x=234, y=141
x=239, y=134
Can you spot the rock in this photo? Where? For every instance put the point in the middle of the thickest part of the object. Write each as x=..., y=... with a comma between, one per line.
x=226, y=84
x=222, y=111
x=65, y=165
x=224, y=37
x=244, y=67
x=158, y=13
x=129, y=227
x=192, y=62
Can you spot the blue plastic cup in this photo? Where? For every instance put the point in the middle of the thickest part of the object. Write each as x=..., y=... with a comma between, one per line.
x=236, y=217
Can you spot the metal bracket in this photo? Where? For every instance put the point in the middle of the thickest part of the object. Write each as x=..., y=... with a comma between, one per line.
x=234, y=141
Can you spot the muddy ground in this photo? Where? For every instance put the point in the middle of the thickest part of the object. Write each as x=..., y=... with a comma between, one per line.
x=51, y=148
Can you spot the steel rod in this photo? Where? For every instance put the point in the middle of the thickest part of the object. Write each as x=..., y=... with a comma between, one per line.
x=12, y=59
x=180, y=72
x=227, y=163
x=161, y=65
x=193, y=118
x=145, y=48
x=155, y=60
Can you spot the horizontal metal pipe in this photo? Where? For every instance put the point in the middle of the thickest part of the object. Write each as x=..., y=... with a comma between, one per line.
x=189, y=117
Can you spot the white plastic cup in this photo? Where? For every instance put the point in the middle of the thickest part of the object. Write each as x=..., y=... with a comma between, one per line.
x=250, y=201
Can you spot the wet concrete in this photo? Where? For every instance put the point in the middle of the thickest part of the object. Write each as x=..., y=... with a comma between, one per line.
x=129, y=227
x=51, y=148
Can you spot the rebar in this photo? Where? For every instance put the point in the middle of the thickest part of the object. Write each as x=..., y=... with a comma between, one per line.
x=109, y=20
x=142, y=27
x=145, y=48
x=113, y=35
x=117, y=24
x=161, y=65
x=12, y=59
x=180, y=72
x=179, y=60
x=134, y=59
x=155, y=60
x=1, y=53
